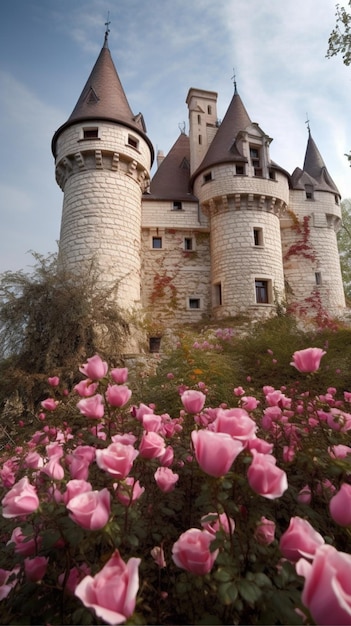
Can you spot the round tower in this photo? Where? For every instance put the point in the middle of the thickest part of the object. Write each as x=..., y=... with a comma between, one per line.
x=103, y=159
x=244, y=194
x=310, y=251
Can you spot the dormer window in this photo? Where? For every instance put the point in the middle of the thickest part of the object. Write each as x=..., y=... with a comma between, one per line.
x=207, y=177
x=309, y=192
x=177, y=205
x=91, y=133
x=132, y=141
x=239, y=170
x=255, y=160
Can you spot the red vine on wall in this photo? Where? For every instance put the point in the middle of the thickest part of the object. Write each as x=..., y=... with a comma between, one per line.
x=162, y=282
x=303, y=246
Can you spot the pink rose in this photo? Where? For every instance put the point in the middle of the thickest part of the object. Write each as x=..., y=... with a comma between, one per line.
x=74, y=488
x=24, y=545
x=212, y=522
x=305, y=495
x=265, y=531
x=166, y=479
x=192, y=551
x=129, y=491
x=193, y=401
x=95, y=368
x=90, y=510
x=327, y=589
x=340, y=505
x=74, y=577
x=158, y=555
x=118, y=395
x=53, y=381
x=22, y=499
x=339, y=452
x=35, y=568
x=5, y=584
x=92, y=407
x=112, y=591
x=119, y=375
x=299, y=540
x=79, y=461
x=265, y=478
x=49, y=404
x=86, y=388
x=236, y=423
x=215, y=452
x=308, y=360
x=117, y=459
x=152, y=445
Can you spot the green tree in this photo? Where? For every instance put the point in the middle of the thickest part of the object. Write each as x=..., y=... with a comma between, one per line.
x=344, y=243
x=340, y=37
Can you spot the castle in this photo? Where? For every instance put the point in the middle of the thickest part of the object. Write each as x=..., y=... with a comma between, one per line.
x=220, y=229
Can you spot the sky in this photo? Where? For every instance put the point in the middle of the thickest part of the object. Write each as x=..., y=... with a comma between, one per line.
x=276, y=49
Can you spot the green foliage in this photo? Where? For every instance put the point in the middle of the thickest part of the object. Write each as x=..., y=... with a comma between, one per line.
x=344, y=244
x=340, y=38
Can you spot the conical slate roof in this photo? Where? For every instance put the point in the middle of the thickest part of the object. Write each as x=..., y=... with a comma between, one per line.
x=222, y=148
x=103, y=98
x=314, y=171
x=171, y=180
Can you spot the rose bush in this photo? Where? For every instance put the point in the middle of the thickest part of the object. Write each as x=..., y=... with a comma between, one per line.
x=203, y=514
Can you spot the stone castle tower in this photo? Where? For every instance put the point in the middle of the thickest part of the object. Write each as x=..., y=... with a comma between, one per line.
x=220, y=230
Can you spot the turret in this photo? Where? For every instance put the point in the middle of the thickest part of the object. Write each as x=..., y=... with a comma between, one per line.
x=103, y=158
x=243, y=193
x=310, y=252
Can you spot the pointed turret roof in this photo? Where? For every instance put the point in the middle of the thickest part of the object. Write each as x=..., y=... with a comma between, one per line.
x=171, y=180
x=314, y=171
x=223, y=148
x=103, y=98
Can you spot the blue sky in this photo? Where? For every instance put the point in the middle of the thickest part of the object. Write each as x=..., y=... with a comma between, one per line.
x=161, y=48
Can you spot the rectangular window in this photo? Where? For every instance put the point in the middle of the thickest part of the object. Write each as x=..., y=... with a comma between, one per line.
x=272, y=174
x=207, y=177
x=209, y=109
x=132, y=141
x=318, y=277
x=194, y=303
x=261, y=287
x=188, y=243
x=177, y=206
x=218, y=294
x=200, y=140
x=258, y=236
x=90, y=133
x=309, y=192
x=157, y=243
x=239, y=170
x=199, y=119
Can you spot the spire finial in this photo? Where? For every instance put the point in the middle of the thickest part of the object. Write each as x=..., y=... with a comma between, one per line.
x=107, y=24
x=308, y=124
x=234, y=81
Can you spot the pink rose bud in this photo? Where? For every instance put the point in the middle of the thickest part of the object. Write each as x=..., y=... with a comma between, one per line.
x=340, y=505
x=165, y=479
x=85, y=388
x=326, y=592
x=158, y=556
x=265, y=478
x=215, y=452
x=117, y=459
x=152, y=445
x=22, y=499
x=92, y=407
x=299, y=540
x=305, y=495
x=193, y=401
x=90, y=510
x=35, y=568
x=212, y=522
x=112, y=591
x=265, y=531
x=54, y=381
x=308, y=360
x=95, y=368
x=236, y=423
x=24, y=545
x=119, y=375
x=49, y=404
x=192, y=551
x=129, y=491
x=118, y=395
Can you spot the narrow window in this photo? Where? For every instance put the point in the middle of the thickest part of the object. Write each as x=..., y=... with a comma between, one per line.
x=199, y=119
x=154, y=344
x=200, y=140
x=132, y=141
x=218, y=294
x=209, y=109
x=258, y=236
x=336, y=199
x=90, y=133
x=157, y=243
x=272, y=174
x=177, y=205
x=188, y=243
x=318, y=278
x=309, y=192
x=261, y=287
x=194, y=303
x=207, y=177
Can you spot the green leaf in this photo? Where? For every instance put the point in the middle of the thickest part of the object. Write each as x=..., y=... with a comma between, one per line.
x=228, y=593
x=249, y=591
x=223, y=575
